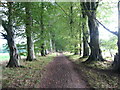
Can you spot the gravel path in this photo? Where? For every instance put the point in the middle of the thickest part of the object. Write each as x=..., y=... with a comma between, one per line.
x=60, y=73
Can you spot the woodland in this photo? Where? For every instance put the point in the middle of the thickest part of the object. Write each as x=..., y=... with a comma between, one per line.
x=59, y=41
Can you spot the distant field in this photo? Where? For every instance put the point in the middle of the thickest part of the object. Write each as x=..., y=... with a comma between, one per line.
x=4, y=57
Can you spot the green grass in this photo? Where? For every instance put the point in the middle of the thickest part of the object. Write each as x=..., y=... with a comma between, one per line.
x=100, y=80
x=96, y=78
x=4, y=57
x=27, y=77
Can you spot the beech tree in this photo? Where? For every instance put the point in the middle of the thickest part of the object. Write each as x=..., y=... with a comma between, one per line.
x=8, y=27
x=85, y=36
x=96, y=53
x=42, y=30
x=119, y=35
x=59, y=27
x=117, y=56
x=28, y=23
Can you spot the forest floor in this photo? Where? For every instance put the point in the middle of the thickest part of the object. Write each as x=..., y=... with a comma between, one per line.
x=61, y=73
x=27, y=77
x=98, y=74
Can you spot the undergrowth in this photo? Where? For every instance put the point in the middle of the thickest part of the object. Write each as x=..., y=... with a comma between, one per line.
x=97, y=73
x=27, y=77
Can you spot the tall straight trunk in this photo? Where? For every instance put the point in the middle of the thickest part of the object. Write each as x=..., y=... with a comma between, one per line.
x=42, y=31
x=80, y=41
x=51, y=46
x=71, y=27
x=80, y=49
x=50, y=41
x=118, y=67
x=76, y=50
x=53, y=43
x=71, y=19
x=80, y=38
x=42, y=50
x=13, y=62
x=30, y=44
x=94, y=39
x=116, y=62
x=85, y=37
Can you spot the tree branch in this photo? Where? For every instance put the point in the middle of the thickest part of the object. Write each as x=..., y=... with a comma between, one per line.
x=4, y=25
x=115, y=33
x=61, y=8
x=4, y=35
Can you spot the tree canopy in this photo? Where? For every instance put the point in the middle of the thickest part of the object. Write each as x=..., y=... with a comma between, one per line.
x=48, y=27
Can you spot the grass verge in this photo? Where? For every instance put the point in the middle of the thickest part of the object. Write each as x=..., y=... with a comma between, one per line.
x=97, y=73
x=27, y=77
x=4, y=57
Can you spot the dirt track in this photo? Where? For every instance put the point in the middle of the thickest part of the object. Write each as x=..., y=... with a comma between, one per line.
x=60, y=73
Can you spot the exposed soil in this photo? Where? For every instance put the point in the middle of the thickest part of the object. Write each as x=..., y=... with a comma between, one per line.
x=61, y=73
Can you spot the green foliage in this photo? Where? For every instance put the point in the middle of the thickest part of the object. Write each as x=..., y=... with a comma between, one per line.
x=27, y=77
x=105, y=11
x=109, y=45
x=56, y=18
x=49, y=22
x=52, y=22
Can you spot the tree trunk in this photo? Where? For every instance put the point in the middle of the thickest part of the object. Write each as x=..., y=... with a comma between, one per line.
x=80, y=49
x=85, y=37
x=76, y=50
x=117, y=57
x=50, y=42
x=90, y=10
x=42, y=50
x=71, y=19
x=96, y=53
x=80, y=39
x=30, y=49
x=42, y=31
x=13, y=62
x=53, y=44
x=110, y=52
x=30, y=44
x=85, y=48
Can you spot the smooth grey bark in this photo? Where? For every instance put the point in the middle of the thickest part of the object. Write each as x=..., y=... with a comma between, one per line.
x=85, y=37
x=42, y=31
x=71, y=27
x=50, y=41
x=96, y=53
x=30, y=43
x=71, y=19
x=8, y=27
x=116, y=63
x=94, y=40
x=76, y=50
x=80, y=39
x=119, y=35
x=53, y=42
